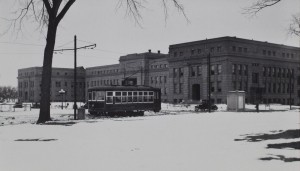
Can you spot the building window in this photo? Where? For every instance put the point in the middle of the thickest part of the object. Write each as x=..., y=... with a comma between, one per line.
x=193, y=71
x=175, y=54
x=245, y=50
x=199, y=51
x=175, y=72
x=175, y=88
x=212, y=88
x=165, y=79
x=273, y=72
x=239, y=69
x=219, y=86
x=57, y=84
x=212, y=49
x=219, y=66
x=274, y=53
x=264, y=52
x=66, y=84
x=181, y=72
x=279, y=72
x=233, y=48
x=269, y=53
x=254, y=77
x=219, y=49
x=234, y=69
x=180, y=53
x=180, y=87
x=192, y=52
x=283, y=54
x=240, y=49
x=212, y=70
x=199, y=70
x=264, y=71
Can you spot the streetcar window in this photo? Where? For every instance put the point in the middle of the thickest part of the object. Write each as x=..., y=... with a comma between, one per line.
x=151, y=96
x=93, y=95
x=145, y=96
x=134, y=98
x=118, y=97
x=140, y=97
x=124, y=97
x=90, y=96
x=129, y=98
x=109, y=97
x=100, y=96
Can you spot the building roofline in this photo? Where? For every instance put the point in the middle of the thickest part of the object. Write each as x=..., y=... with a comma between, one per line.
x=230, y=38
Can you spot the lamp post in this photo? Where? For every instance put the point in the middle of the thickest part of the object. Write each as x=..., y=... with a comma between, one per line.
x=62, y=92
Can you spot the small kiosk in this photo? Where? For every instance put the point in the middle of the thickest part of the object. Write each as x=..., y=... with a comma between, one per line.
x=236, y=100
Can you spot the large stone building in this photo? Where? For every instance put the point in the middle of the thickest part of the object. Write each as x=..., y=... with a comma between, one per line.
x=261, y=69
x=265, y=71
x=29, y=84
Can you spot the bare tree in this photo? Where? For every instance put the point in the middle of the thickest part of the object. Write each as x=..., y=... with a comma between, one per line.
x=48, y=14
x=256, y=7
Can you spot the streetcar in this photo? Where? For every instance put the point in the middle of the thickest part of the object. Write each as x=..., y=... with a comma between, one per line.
x=123, y=100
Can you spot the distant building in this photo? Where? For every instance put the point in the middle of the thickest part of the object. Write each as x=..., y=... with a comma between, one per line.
x=29, y=84
x=267, y=72
x=149, y=69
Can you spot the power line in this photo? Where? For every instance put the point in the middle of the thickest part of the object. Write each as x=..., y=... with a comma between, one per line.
x=25, y=44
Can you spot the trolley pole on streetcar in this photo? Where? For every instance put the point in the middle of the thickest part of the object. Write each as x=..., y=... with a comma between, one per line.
x=75, y=68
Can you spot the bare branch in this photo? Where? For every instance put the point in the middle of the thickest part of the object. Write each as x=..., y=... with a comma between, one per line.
x=294, y=27
x=259, y=5
x=134, y=7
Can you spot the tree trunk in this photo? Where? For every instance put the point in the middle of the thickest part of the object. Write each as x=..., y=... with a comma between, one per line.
x=47, y=73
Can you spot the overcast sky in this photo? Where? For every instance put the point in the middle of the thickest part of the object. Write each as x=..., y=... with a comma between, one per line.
x=101, y=22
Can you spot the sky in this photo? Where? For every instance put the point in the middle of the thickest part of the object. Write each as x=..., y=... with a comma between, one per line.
x=106, y=24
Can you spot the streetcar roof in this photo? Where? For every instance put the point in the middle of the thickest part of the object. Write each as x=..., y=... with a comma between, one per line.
x=124, y=88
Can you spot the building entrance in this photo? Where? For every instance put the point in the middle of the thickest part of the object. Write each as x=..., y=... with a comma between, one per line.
x=196, y=92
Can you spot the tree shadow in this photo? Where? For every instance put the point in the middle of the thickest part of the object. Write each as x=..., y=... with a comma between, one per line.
x=67, y=123
x=294, y=145
x=280, y=157
x=36, y=139
x=289, y=134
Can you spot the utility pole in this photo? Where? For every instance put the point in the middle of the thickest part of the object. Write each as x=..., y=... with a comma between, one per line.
x=290, y=88
x=75, y=67
x=209, y=84
x=75, y=76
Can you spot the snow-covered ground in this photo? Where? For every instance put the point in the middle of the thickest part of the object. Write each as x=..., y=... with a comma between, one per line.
x=175, y=139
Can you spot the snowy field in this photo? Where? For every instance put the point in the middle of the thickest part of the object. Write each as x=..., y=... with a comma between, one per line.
x=175, y=139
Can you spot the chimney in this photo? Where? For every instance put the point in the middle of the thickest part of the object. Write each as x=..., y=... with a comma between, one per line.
x=158, y=51
x=149, y=50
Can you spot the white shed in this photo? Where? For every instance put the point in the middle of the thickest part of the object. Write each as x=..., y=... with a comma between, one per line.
x=236, y=101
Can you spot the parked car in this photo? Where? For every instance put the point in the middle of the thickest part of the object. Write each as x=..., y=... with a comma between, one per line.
x=18, y=105
x=204, y=106
x=36, y=105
